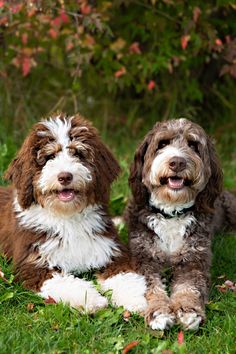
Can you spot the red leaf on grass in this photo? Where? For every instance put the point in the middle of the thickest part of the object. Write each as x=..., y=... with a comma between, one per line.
x=30, y=307
x=180, y=337
x=126, y=315
x=50, y=300
x=130, y=346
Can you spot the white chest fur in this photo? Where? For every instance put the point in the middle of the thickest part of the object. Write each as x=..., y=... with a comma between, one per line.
x=73, y=243
x=170, y=232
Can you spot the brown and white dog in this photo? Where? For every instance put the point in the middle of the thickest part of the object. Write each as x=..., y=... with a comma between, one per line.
x=175, y=180
x=54, y=218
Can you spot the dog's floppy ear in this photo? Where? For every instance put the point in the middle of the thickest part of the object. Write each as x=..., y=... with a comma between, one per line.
x=139, y=190
x=206, y=199
x=21, y=171
x=107, y=170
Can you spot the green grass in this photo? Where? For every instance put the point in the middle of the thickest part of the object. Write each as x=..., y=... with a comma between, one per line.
x=60, y=329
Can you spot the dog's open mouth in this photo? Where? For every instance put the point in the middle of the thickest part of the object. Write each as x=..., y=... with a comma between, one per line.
x=174, y=182
x=66, y=195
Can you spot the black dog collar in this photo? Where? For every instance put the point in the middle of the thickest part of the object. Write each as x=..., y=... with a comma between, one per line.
x=169, y=216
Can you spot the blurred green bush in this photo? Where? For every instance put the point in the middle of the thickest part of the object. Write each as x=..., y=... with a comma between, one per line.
x=170, y=57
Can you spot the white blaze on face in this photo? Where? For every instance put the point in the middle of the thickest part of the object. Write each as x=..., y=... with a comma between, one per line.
x=63, y=162
x=161, y=161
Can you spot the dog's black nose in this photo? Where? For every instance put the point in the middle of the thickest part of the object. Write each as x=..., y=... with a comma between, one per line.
x=65, y=178
x=177, y=164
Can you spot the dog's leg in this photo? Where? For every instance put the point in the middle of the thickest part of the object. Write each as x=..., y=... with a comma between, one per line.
x=76, y=292
x=128, y=290
x=158, y=314
x=189, y=295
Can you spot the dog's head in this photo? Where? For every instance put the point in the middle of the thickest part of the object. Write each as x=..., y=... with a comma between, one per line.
x=63, y=165
x=175, y=167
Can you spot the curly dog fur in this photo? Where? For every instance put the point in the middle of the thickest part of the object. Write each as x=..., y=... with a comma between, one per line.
x=177, y=204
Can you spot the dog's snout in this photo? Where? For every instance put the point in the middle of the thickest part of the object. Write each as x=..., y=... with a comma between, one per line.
x=177, y=164
x=65, y=178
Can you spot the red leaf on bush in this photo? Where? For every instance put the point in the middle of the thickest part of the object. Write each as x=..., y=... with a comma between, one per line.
x=184, y=41
x=31, y=12
x=25, y=65
x=227, y=39
x=120, y=72
x=151, y=85
x=85, y=9
x=16, y=8
x=53, y=33
x=196, y=13
x=3, y=20
x=56, y=21
x=1, y=3
x=64, y=17
x=218, y=42
x=180, y=337
x=50, y=300
x=130, y=346
x=24, y=38
x=134, y=48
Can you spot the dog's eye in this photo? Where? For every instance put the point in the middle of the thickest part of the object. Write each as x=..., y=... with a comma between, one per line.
x=193, y=145
x=50, y=157
x=80, y=154
x=163, y=143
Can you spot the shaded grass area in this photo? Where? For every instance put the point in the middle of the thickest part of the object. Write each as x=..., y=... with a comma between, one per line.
x=49, y=328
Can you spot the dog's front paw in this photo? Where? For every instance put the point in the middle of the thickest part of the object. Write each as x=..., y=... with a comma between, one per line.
x=161, y=321
x=189, y=320
x=95, y=302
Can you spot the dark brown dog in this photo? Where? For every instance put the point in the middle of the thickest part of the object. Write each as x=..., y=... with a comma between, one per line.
x=175, y=180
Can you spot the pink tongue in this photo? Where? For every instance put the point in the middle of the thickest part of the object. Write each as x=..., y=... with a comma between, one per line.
x=66, y=195
x=175, y=183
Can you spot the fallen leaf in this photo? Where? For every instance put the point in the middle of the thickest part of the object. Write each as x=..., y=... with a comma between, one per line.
x=30, y=307
x=221, y=276
x=49, y=300
x=126, y=315
x=180, y=337
x=2, y=276
x=130, y=346
x=134, y=48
